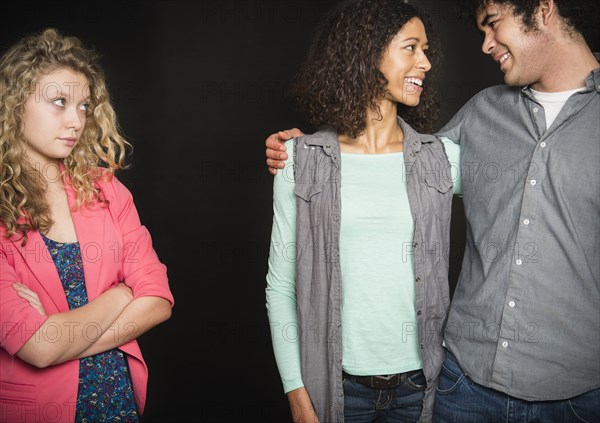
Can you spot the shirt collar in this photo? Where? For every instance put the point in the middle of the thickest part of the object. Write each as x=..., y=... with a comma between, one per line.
x=592, y=82
x=412, y=139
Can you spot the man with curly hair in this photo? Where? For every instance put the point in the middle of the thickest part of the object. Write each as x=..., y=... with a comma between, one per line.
x=523, y=329
x=523, y=333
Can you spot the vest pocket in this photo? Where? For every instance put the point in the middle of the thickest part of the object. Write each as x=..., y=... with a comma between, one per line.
x=440, y=194
x=439, y=182
x=308, y=203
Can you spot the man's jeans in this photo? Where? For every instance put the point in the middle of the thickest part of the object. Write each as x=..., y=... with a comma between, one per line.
x=401, y=404
x=460, y=400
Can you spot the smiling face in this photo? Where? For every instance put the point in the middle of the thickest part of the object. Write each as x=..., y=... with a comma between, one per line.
x=54, y=115
x=522, y=55
x=404, y=64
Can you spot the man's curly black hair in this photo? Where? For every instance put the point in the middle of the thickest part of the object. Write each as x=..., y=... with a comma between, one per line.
x=340, y=79
x=578, y=15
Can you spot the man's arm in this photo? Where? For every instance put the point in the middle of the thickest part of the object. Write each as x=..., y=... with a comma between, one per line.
x=276, y=151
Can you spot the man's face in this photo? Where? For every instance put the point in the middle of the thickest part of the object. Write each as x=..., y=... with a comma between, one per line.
x=520, y=54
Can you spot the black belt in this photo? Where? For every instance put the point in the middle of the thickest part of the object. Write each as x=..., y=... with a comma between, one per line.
x=381, y=382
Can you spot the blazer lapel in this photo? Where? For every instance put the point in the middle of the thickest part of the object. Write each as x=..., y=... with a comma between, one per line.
x=36, y=256
x=89, y=226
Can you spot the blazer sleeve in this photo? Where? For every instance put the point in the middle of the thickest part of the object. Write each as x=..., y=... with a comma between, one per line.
x=142, y=269
x=18, y=320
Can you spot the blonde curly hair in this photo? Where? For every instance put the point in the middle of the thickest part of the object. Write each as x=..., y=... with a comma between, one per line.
x=99, y=152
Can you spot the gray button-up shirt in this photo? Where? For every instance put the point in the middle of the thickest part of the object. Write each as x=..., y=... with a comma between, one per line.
x=525, y=316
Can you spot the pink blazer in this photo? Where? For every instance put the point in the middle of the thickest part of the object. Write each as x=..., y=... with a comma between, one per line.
x=115, y=247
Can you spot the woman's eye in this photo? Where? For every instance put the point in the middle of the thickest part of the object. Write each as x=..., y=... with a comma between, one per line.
x=59, y=102
x=85, y=107
x=411, y=48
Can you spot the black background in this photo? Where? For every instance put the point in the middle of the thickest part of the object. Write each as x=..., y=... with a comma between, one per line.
x=198, y=86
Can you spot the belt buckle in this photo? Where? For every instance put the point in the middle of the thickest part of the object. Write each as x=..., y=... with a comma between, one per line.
x=385, y=381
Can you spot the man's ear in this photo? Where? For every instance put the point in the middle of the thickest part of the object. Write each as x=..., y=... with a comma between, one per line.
x=546, y=11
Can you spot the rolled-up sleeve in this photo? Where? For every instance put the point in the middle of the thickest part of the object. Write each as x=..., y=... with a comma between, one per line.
x=142, y=269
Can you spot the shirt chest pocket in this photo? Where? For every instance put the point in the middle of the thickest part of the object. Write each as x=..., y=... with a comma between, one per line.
x=309, y=203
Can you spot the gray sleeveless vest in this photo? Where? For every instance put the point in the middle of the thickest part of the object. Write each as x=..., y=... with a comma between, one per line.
x=317, y=167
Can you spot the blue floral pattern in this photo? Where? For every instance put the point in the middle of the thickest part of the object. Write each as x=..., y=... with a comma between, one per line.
x=105, y=392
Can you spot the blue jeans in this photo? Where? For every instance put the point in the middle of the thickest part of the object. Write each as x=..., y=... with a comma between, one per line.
x=460, y=400
x=401, y=404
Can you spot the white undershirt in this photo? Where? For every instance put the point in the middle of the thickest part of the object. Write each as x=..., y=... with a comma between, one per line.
x=553, y=102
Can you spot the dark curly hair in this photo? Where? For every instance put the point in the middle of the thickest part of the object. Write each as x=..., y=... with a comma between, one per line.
x=578, y=15
x=340, y=79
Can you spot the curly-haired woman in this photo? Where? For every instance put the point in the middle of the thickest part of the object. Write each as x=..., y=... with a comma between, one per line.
x=357, y=287
x=79, y=279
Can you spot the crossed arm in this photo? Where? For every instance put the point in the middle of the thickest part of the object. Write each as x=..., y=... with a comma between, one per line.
x=115, y=316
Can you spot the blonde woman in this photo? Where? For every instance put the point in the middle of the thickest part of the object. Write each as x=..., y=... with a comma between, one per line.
x=79, y=278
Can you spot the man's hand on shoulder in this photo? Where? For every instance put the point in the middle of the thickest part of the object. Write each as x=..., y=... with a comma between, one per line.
x=276, y=151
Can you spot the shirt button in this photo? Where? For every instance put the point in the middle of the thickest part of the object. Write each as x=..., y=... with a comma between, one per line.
x=418, y=312
x=511, y=304
x=418, y=280
x=535, y=110
x=542, y=144
x=505, y=344
x=519, y=262
x=526, y=222
x=415, y=245
x=533, y=182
